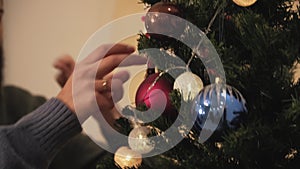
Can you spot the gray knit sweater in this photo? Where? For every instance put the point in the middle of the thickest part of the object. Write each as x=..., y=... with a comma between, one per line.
x=33, y=141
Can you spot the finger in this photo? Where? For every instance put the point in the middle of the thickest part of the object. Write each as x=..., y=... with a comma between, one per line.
x=102, y=85
x=105, y=84
x=59, y=65
x=65, y=60
x=65, y=66
x=121, y=75
x=64, y=72
x=104, y=101
x=108, y=49
x=117, y=90
x=61, y=80
x=108, y=64
x=134, y=59
x=111, y=115
x=120, y=48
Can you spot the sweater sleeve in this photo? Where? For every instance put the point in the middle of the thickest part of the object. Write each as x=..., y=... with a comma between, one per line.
x=34, y=140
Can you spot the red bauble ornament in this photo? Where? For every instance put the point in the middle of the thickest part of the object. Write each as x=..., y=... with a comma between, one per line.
x=155, y=95
x=156, y=20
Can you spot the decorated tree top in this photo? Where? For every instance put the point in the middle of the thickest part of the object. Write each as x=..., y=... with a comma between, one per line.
x=257, y=43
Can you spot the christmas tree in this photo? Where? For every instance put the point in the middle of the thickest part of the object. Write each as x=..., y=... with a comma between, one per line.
x=259, y=48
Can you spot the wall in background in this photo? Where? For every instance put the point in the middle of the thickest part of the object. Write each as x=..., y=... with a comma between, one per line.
x=37, y=32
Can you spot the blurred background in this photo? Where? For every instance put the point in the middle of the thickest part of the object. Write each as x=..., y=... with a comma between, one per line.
x=37, y=32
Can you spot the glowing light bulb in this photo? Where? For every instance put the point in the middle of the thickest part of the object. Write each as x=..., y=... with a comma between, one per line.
x=127, y=158
x=244, y=3
x=139, y=141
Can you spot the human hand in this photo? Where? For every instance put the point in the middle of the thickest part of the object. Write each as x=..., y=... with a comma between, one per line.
x=94, y=80
x=65, y=64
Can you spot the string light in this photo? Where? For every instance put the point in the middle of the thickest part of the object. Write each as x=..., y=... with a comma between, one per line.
x=139, y=141
x=127, y=158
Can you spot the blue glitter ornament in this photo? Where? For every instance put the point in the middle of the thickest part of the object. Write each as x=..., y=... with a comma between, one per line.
x=219, y=106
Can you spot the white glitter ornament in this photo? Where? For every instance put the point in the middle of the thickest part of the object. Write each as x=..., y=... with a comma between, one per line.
x=189, y=85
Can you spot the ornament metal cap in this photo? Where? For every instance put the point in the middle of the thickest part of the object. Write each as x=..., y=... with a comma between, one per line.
x=219, y=80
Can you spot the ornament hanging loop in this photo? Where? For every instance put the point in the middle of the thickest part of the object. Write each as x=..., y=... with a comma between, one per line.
x=219, y=80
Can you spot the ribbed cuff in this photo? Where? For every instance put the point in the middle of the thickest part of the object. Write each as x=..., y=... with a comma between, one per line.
x=51, y=125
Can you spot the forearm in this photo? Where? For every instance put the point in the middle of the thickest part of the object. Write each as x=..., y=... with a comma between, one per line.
x=36, y=138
